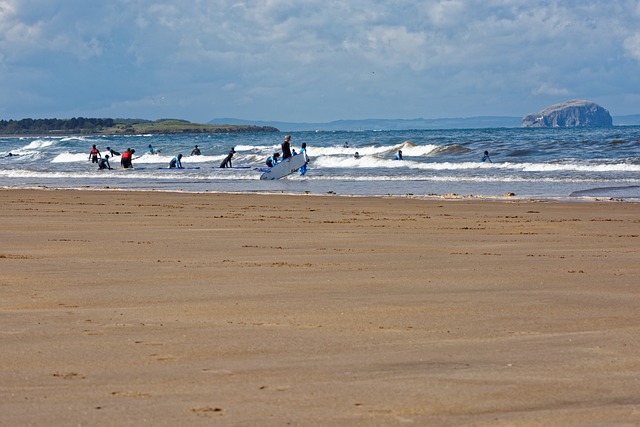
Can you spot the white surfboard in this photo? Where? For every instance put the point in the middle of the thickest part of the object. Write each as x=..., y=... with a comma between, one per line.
x=181, y=169
x=286, y=167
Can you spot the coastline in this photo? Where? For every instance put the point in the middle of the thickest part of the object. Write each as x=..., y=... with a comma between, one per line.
x=580, y=197
x=170, y=308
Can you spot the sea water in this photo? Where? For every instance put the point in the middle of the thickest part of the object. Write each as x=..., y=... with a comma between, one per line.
x=530, y=163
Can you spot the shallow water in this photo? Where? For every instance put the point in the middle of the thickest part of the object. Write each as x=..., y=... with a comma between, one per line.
x=542, y=163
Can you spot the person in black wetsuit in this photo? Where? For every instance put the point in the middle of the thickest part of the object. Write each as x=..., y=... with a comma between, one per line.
x=103, y=163
x=112, y=152
x=286, y=147
x=176, y=162
x=226, y=163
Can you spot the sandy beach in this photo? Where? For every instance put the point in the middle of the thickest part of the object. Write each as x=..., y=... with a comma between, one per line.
x=150, y=308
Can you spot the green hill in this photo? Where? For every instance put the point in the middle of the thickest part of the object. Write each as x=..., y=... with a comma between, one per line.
x=93, y=126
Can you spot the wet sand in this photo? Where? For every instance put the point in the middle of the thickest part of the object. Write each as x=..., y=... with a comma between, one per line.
x=136, y=308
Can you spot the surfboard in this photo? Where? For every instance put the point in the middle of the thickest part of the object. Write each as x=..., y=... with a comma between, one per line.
x=286, y=167
x=234, y=167
x=180, y=169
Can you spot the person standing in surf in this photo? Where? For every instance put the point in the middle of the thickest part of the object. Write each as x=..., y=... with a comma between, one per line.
x=125, y=159
x=486, y=157
x=286, y=147
x=94, y=154
x=303, y=152
x=399, y=155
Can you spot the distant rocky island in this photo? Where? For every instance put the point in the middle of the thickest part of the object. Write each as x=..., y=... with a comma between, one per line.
x=577, y=113
x=92, y=126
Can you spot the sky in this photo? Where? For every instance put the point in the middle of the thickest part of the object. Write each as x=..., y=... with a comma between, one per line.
x=315, y=60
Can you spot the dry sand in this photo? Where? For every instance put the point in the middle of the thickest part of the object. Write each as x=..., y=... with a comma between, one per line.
x=136, y=308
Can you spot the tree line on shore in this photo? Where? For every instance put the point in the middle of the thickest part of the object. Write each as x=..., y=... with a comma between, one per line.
x=88, y=126
x=45, y=126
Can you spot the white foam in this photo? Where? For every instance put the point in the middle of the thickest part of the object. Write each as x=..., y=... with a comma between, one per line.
x=378, y=162
x=40, y=143
x=70, y=158
x=408, y=149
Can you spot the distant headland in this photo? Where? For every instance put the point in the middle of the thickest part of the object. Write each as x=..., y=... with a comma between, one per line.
x=93, y=126
x=479, y=122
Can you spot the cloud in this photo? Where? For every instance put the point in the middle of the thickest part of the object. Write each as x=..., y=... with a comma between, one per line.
x=315, y=59
x=548, y=89
x=632, y=46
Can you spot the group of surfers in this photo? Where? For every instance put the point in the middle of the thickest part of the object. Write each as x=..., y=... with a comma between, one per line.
x=103, y=162
x=126, y=157
x=286, y=153
x=176, y=162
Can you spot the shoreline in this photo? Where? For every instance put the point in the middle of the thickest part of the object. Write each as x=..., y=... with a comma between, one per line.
x=508, y=197
x=173, y=308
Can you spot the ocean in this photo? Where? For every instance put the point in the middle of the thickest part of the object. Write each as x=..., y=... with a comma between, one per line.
x=574, y=163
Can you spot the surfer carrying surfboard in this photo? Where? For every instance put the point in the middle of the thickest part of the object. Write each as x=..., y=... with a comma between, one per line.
x=286, y=147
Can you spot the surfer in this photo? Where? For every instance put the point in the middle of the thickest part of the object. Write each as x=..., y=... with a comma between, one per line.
x=125, y=159
x=195, y=151
x=273, y=160
x=150, y=149
x=286, y=147
x=12, y=155
x=356, y=156
x=226, y=163
x=103, y=163
x=94, y=154
x=486, y=157
x=176, y=162
x=399, y=155
x=112, y=152
x=303, y=151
